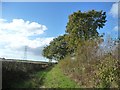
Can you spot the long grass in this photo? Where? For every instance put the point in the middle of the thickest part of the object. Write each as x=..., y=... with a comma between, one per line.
x=15, y=72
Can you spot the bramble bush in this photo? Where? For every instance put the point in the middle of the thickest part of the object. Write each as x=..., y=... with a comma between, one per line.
x=92, y=68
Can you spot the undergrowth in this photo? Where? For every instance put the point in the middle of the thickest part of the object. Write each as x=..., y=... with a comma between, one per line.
x=90, y=67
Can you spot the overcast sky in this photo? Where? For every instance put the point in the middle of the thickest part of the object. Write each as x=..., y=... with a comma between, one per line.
x=35, y=24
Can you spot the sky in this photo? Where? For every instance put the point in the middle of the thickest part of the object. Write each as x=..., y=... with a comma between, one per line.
x=35, y=24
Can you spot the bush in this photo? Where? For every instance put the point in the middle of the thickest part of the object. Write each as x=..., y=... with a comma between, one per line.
x=90, y=68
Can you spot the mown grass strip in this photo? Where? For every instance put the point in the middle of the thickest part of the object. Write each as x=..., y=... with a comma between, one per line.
x=56, y=79
x=48, y=78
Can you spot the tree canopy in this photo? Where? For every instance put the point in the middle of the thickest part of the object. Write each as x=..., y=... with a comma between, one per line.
x=81, y=26
x=57, y=48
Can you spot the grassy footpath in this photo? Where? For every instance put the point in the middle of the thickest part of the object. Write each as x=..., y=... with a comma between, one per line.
x=56, y=79
x=50, y=78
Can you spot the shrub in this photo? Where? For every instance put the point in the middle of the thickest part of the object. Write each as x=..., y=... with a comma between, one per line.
x=90, y=68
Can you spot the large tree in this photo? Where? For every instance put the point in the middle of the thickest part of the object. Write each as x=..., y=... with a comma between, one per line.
x=84, y=25
x=81, y=26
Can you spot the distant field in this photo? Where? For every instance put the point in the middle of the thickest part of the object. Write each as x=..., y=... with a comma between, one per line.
x=19, y=60
x=18, y=71
x=34, y=75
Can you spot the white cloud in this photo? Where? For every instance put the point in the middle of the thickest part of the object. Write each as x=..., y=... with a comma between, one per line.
x=16, y=34
x=114, y=10
x=24, y=28
x=115, y=28
x=39, y=42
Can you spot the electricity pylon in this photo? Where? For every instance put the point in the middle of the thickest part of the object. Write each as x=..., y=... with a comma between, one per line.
x=25, y=53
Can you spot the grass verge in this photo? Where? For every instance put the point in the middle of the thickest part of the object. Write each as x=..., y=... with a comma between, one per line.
x=56, y=79
x=49, y=78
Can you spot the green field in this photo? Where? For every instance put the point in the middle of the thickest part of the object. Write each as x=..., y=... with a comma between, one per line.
x=25, y=75
x=17, y=72
x=49, y=78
